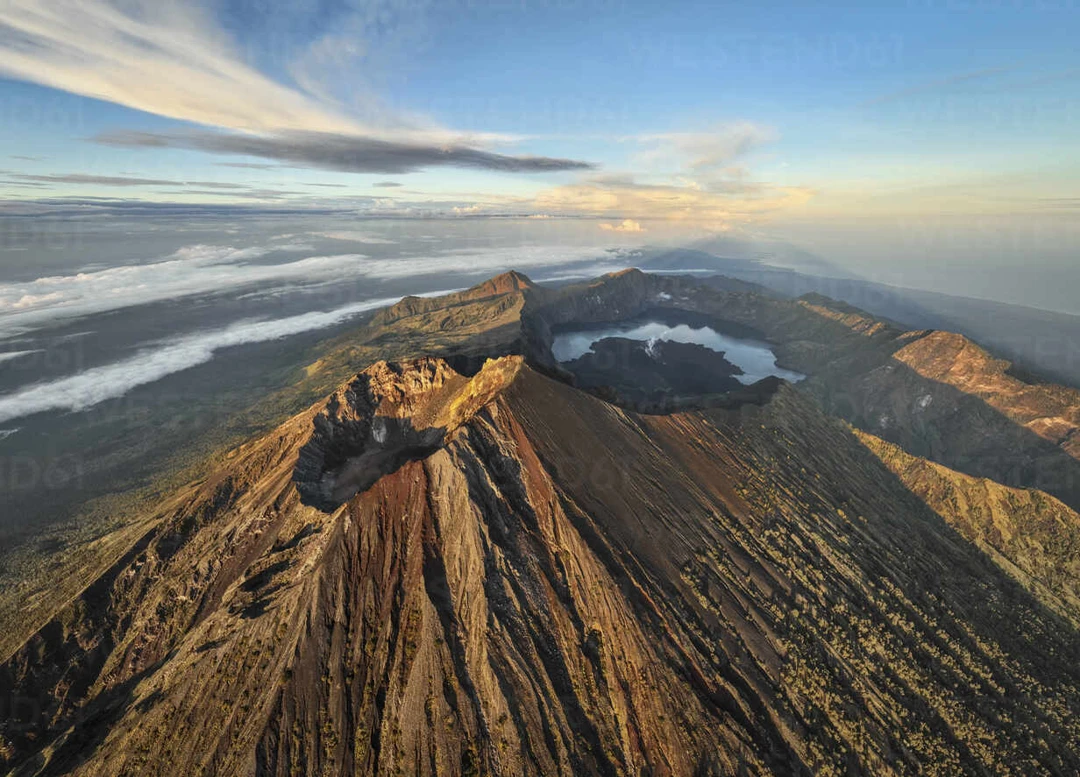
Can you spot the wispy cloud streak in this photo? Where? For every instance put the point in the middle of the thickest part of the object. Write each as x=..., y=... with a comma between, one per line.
x=202, y=269
x=191, y=270
x=170, y=59
x=80, y=179
x=161, y=57
x=99, y=384
x=344, y=153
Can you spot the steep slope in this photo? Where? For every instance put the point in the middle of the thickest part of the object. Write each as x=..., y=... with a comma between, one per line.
x=547, y=584
x=1031, y=535
x=34, y=583
x=217, y=543
x=1052, y=412
x=95, y=473
x=815, y=576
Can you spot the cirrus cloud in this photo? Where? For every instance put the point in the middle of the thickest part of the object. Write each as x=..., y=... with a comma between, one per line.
x=164, y=58
x=704, y=152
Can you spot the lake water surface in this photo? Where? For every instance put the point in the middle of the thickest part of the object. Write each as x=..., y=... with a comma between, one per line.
x=753, y=357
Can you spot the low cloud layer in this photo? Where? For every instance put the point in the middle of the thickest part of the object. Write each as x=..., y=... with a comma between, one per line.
x=483, y=263
x=342, y=152
x=99, y=384
x=355, y=236
x=185, y=188
x=95, y=180
x=105, y=208
x=203, y=269
x=80, y=179
x=96, y=385
x=192, y=270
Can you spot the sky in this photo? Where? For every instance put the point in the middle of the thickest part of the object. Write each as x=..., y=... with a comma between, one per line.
x=191, y=188
x=866, y=132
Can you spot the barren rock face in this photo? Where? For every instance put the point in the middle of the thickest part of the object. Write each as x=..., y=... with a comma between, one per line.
x=498, y=573
x=387, y=415
x=367, y=427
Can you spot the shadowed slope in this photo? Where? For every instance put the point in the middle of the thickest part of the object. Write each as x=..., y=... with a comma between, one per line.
x=1030, y=534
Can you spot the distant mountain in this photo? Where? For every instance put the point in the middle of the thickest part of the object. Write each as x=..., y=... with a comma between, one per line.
x=1043, y=343
x=467, y=559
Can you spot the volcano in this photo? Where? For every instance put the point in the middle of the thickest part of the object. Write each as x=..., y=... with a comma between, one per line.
x=470, y=559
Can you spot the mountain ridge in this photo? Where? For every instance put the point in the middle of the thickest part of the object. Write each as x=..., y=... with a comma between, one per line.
x=519, y=576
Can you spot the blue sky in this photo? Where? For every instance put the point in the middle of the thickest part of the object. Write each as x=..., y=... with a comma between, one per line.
x=715, y=115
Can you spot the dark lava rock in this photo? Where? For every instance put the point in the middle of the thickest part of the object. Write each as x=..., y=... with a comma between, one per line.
x=638, y=370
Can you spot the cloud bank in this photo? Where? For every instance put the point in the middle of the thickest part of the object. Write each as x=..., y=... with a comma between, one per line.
x=95, y=180
x=205, y=269
x=197, y=269
x=344, y=153
x=629, y=200
x=79, y=179
x=90, y=387
x=699, y=178
x=486, y=262
x=355, y=236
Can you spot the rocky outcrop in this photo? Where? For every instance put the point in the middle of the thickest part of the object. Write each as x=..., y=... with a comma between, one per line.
x=1050, y=412
x=941, y=397
x=371, y=426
